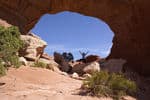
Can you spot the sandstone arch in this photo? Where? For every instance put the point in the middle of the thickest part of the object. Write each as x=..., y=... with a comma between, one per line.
x=129, y=19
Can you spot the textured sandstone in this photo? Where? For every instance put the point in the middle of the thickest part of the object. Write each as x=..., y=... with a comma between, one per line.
x=34, y=47
x=92, y=67
x=113, y=65
x=129, y=19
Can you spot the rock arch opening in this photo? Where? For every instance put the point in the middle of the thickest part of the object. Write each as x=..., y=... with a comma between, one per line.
x=72, y=32
x=129, y=20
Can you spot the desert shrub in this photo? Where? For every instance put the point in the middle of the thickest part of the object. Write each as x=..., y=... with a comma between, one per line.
x=2, y=69
x=39, y=64
x=10, y=43
x=113, y=85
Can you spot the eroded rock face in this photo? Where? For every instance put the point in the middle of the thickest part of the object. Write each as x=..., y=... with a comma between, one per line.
x=34, y=48
x=113, y=65
x=92, y=58
x=64, y=65
x=129, y=19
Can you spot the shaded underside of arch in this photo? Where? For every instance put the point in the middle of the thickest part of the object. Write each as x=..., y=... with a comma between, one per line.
x=129, y=19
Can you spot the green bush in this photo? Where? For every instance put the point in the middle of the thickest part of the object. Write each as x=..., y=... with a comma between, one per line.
x=10, y=43
x=2, y=69
x=113, y=85
x=39, y=64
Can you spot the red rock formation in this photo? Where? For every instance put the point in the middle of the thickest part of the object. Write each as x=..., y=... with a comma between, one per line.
x=92, y=58
x=129, y=19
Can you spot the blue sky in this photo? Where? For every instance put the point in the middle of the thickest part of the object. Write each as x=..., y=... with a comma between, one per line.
x=71, y=32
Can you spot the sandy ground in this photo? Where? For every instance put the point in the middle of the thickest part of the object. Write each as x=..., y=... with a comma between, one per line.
x=28, y=83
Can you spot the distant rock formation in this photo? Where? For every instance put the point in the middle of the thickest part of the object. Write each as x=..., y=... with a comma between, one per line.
x=92, y=58
x=64, y=65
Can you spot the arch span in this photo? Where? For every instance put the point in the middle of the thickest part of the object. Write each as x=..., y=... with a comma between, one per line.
x=129, y=19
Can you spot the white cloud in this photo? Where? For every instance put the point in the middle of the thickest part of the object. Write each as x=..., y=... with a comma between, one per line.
x=58, y=47
x=55, y=47
x=105, y=53
x=61, y=48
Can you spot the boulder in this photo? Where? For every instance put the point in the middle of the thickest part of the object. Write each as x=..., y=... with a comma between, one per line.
x=64, y=65
x=30, y=54
x=92, y=67
x=78, y=68
x=51, y=64
x=75, y=75
x=46, y=56
x=92, y=58
x=58, y=58
x=113, y=65
x=23, y=61
x=34, y=47
x=86, y=68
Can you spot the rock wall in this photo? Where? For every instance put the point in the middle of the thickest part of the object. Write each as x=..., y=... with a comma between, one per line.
x=129, y=19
